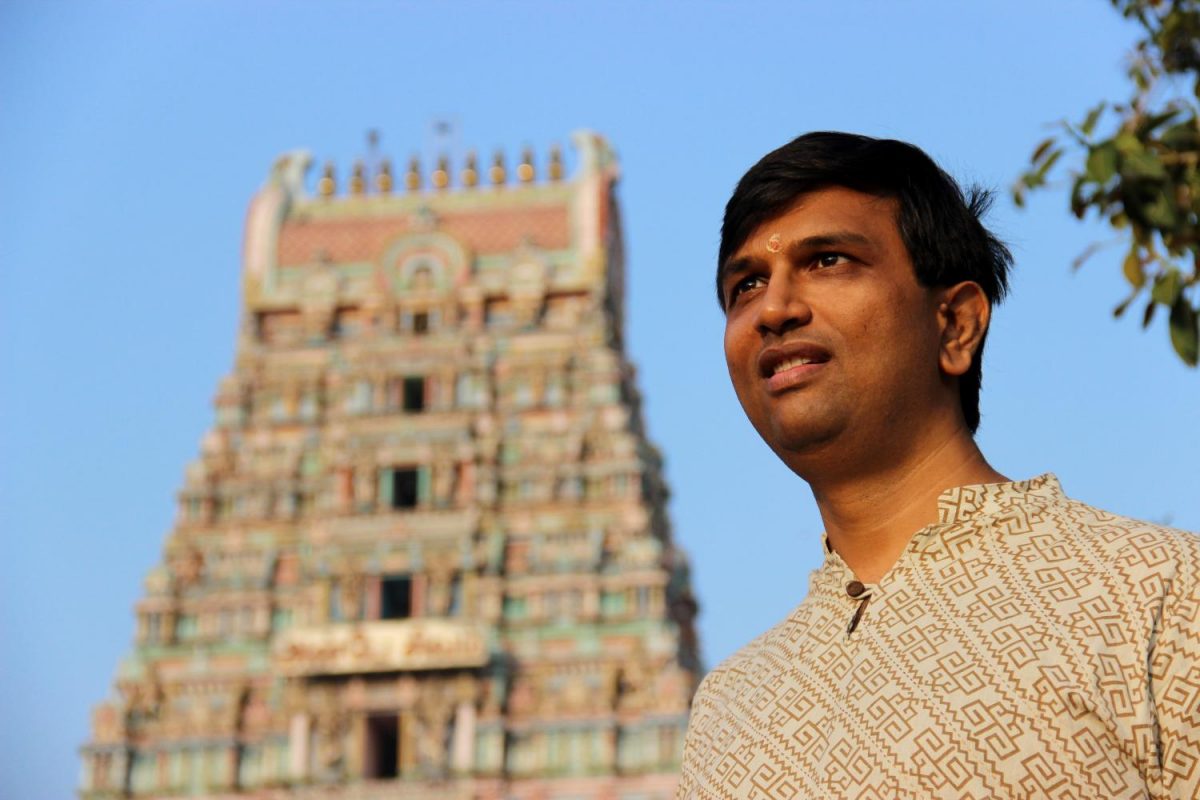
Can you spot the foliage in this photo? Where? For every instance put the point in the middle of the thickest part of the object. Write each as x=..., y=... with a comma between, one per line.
x=1143, y=177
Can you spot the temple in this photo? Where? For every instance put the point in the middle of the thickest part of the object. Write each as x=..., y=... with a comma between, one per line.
x=424, y=551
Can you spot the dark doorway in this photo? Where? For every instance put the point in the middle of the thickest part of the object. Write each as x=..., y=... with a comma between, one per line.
x=383, y=746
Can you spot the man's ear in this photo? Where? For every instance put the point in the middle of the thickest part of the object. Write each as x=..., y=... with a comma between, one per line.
x=963, y=318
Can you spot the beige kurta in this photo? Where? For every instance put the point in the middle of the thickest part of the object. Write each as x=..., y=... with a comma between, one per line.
x=1027, y=645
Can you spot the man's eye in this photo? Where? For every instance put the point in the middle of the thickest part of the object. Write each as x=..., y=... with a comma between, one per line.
x=743, y=285
x=829, y=259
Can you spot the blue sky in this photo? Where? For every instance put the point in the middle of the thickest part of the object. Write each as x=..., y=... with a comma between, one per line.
x=133, y=134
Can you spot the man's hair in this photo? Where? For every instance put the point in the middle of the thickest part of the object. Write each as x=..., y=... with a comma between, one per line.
x=940, y=225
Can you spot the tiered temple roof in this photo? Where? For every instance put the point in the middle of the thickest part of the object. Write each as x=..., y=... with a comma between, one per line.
x=424, y=552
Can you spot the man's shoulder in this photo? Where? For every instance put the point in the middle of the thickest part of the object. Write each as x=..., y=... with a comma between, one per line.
x=1144, y=553
x=1120, y=533
x=756, y=659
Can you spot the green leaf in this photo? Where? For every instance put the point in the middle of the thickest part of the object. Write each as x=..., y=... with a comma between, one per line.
x=1150, y=123
x=1148, y=314
x=1126, y=143
x=1185, y=333
x=1089, y=122
x=1047, y=164
x=1166, y=287
x=1182, y=135
x=1133, y=269
x=1102, y=162
x=1142, y=163
x=1040, y=150
x=1120, y=309
x=1160, y=212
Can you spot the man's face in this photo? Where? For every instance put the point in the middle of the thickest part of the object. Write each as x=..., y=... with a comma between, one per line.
x=831, y=343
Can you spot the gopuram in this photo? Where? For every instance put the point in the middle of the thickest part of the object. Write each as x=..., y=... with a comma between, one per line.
x=424, y=550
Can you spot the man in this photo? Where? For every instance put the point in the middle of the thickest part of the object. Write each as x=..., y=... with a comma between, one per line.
x=967, y=636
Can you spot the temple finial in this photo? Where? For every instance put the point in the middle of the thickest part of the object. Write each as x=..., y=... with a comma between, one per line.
x=497, y=174
x=555, y=170
x=412, y=178
x=470, y=173
x=383, y=180
x=441, y=175
x=358, y=179
x=525, y=173
x=327, y=185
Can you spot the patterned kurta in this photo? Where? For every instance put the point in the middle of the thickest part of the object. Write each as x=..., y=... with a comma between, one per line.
x=1026, y=645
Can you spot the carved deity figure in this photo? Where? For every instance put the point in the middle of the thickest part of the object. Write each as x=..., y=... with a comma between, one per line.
x=330, y=727
x=434, y=710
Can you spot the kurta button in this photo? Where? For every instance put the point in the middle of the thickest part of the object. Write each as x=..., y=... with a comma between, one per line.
x=855, y=588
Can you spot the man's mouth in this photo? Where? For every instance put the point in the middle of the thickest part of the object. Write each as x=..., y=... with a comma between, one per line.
x=781, y=358
x=791, y=363
x=788, y=365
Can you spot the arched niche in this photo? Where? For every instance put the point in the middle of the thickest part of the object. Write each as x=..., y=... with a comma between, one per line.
x=426, y=263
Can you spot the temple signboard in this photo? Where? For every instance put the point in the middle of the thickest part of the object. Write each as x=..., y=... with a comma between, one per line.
x=386, y=646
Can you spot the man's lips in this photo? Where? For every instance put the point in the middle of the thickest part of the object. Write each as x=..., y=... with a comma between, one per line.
x=786, y=365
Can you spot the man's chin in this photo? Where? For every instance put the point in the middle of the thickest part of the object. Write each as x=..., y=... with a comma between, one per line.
x=799, y=439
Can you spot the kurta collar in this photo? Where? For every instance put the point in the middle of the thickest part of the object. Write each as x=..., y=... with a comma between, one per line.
x=962, y=505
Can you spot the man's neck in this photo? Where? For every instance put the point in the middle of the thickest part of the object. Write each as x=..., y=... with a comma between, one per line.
x=871, y=516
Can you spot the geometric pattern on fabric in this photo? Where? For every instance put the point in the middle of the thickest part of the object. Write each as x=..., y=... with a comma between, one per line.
x=1025, y=645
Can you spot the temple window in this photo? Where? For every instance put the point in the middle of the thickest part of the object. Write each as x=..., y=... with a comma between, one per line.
x=395, y=597
x=420, y=323
x=414, y=394
x=401, y=487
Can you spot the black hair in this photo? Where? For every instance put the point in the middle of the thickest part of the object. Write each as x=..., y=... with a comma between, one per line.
x=940, y=224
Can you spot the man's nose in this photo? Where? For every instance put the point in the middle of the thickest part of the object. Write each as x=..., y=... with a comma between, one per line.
x=783, y=307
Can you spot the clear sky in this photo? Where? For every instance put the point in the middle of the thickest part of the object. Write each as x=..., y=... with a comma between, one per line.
x=133, y=134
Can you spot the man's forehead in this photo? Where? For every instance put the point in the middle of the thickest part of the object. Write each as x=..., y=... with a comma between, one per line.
x=820, y=211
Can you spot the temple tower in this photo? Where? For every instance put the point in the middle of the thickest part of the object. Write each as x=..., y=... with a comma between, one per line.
x=424, y=552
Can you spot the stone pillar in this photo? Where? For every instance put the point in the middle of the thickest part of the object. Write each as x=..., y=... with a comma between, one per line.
x=465, y=488
x=462, y=749
x=406, y=759
x=419, y=584
x=356, y=757
x=322, y=596
x=231, y=768
x=374, y=598
x=298, y=735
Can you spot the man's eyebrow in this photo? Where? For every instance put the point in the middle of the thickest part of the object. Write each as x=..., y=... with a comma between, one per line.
x=832, y=239
x=734, y=266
